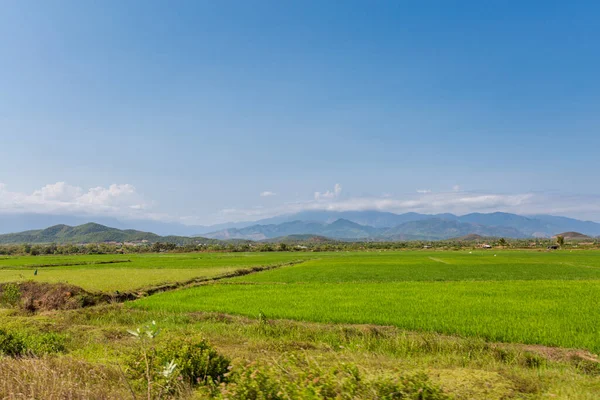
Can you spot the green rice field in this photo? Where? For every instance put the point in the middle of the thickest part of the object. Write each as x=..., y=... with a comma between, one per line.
x=534, y=297
x=108, y=273
x=473, y=324
x=548, y=298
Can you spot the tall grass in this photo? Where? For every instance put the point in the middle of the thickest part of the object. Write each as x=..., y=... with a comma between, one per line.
x=58, y=378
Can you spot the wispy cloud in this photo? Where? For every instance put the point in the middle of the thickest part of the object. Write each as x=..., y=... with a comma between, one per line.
x=423, y=191
x=267, y=194
x=330, y=194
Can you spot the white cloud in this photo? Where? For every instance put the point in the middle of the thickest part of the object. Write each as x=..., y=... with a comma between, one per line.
x=456, y=188
x=423, y=191
x=124, y=201
x=328, y=195
x=59, y=191
x=62, y=198
x=268, y=194
x=456, y=201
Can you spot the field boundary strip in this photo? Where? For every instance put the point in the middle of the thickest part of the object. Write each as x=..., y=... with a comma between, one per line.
x=439, y=260
x=569, y=264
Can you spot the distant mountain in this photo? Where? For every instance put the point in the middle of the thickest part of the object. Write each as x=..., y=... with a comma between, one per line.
x=438, y=229
x=299, y=239
x=376, y=219
x=427, y=229
x=10, y=223
x=559, y=224
x=525, y=225
x=341, y=228
x=91, y=233
x=530, y=226
x=367, y=225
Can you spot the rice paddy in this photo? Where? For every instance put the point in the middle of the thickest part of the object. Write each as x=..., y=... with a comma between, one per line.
x=471, y=320
x=548, y=298
x=509, y=296
x=109, y=273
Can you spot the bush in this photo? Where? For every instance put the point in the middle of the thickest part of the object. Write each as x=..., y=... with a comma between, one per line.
x=196, y=360
x=191, y=361
x=16, y=344
x=10, y=295
x=304, y=379
x=11, y=345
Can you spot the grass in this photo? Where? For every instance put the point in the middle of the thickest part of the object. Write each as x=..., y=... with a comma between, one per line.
x=548, y=298
x=58, y=378
x=466, y=368
x=439, y=266
x=472, y=322
x=551, y=313
x=156, y=261
x=113, y=279
x=109, y=273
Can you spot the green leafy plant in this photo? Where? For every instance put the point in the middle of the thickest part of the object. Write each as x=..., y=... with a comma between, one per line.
x=11, y=295
x=166, y=368
x=158, y=381
x=299, y=377
x=19, y=343
x=197, y=362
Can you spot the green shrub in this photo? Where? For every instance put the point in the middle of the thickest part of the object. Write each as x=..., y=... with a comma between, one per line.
x=21, y=343
x=11, y=345
x=192, y=361
x=196, y=360
x=298, y=378
x=11, y=295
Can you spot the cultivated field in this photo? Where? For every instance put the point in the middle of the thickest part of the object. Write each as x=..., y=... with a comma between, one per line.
x=469, y=324
x=511, y=296
x=128, y=272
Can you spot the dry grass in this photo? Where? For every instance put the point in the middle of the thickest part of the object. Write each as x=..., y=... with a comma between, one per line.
x=59, y=378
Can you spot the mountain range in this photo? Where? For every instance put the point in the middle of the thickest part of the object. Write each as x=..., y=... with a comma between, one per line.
x=376, y=225
x=350, y=225
x=427, y=229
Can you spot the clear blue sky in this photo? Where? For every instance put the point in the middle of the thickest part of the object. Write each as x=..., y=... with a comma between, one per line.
x=203, y=106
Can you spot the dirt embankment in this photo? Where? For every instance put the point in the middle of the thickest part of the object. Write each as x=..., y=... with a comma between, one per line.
x=40, y=296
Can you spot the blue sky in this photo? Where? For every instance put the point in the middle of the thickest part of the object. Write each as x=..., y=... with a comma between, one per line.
x=189, y=111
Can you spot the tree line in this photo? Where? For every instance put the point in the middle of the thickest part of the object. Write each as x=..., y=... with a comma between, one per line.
x=158, y=247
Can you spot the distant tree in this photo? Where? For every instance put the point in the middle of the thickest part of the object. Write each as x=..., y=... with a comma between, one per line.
x=156, y=247
x=502, y=242
x=560, y=240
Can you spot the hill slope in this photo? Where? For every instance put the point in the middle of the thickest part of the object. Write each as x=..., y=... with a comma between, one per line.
x=573, y=236
x=91, y=233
